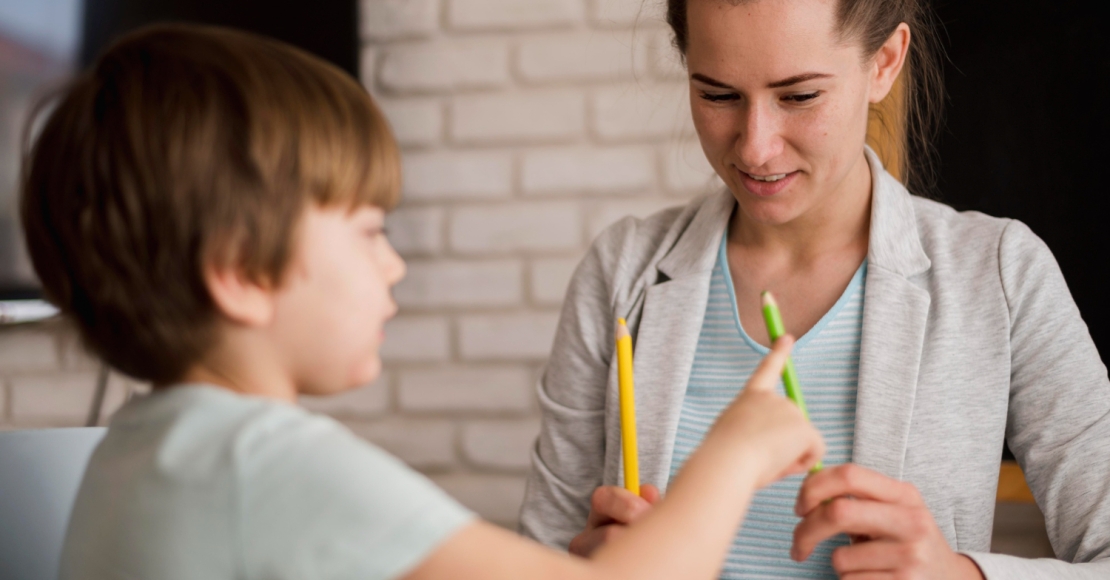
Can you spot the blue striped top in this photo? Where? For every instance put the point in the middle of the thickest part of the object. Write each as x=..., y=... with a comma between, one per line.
x=827, y=361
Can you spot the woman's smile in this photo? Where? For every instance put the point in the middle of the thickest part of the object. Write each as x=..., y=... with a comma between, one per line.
x=766, y=184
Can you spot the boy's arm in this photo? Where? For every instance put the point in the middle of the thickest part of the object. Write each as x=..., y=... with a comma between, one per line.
x=760, y=438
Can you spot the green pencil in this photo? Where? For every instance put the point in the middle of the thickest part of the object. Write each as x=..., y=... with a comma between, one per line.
x=775, y=329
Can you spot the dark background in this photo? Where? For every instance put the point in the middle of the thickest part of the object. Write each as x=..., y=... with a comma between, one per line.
x=1027, y=129
x=327, y=28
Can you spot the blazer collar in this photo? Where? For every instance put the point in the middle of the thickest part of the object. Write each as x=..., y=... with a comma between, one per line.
x=894, y=244
x=695, y=251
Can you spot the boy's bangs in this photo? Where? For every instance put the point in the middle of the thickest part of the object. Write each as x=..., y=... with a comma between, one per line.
x=346, y=152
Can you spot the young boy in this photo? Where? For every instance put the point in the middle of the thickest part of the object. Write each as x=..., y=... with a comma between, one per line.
x=207, y=207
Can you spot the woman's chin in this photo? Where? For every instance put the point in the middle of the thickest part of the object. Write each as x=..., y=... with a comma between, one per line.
x=768, y=211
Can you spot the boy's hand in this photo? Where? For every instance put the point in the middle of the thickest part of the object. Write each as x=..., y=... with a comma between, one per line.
x=612, y=509
x=897, y=535
x=773, y=431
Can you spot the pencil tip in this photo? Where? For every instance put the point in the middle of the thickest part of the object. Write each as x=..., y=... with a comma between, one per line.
x=622, y=329
x=768, y=299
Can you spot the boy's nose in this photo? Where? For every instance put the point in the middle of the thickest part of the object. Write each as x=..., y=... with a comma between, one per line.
x=395, y=265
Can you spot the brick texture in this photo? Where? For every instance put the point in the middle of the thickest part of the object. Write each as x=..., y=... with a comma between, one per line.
x=432, y=283
x=525, y=127
x=513, y=14
x=507, y=336
x=476, y=389
x=443, y=175
x=548, y=116
x=574, y=170
x=539, y=226
x=442, y=66
x=389, y=19
x=500, y=444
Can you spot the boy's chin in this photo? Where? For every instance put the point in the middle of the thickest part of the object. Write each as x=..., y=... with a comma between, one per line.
x=366, y=373
x=360, y=376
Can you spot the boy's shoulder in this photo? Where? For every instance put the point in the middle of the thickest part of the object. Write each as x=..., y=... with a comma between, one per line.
x=253, y=485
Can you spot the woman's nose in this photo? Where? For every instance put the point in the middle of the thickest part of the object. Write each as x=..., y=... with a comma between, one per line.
x=759, y=140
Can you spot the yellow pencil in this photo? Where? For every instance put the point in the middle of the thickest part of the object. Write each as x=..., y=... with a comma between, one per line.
x=628, y=408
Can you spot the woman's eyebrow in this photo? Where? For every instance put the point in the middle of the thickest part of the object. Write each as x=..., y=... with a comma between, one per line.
x=798, y=79
x=775, y=85
x=710, y=81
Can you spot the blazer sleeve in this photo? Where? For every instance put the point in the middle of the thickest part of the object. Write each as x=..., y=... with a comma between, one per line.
x=1059, y=415
x=569, y=455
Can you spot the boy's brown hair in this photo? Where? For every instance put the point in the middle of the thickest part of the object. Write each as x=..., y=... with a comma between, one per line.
x=184, y=147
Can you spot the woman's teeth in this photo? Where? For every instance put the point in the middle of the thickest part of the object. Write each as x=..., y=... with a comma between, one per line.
x=768, y=177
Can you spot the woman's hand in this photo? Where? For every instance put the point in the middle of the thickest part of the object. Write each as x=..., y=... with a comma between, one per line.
x=612, y=509
x=894, y=535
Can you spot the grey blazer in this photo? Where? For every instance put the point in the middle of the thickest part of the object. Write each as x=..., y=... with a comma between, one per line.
x=970, y=337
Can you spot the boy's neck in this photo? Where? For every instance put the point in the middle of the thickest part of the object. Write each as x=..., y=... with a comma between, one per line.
x=242, y=363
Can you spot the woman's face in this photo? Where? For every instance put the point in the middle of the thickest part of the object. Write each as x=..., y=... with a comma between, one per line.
x=780, y=103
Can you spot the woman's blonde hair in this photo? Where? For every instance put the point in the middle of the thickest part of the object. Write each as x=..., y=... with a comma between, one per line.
x=184, y=147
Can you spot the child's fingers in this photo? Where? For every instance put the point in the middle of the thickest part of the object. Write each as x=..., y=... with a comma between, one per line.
x=766, y=375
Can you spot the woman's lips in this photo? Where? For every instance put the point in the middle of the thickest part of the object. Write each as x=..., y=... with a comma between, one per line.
x=766, y=188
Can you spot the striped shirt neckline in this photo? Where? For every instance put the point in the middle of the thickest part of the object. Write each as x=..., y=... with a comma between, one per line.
x=827, y=361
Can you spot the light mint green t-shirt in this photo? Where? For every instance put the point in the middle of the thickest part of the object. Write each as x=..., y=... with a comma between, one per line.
x=199, y=482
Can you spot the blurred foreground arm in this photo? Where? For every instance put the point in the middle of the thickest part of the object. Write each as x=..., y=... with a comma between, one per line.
x=760, y=438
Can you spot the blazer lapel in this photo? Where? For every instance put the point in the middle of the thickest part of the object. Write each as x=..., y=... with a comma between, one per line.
x=894, y=323
x=894, y=315
x=667, y=335
x=668, y=338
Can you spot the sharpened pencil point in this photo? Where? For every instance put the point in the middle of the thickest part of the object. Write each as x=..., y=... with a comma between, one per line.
x=622, y=329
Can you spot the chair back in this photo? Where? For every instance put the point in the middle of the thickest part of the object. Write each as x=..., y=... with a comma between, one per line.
x=40, y=471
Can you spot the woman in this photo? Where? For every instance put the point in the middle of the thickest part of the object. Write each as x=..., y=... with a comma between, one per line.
x=927, y=336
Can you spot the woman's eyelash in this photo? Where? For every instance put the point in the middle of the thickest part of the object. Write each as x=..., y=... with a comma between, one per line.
x=720, y=98
x=803, y=97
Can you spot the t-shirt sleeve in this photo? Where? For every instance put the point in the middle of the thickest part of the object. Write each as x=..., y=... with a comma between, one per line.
x=317, y=502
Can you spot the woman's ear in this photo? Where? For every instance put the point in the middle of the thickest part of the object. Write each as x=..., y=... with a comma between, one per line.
x=238, y=298
x=888, y=63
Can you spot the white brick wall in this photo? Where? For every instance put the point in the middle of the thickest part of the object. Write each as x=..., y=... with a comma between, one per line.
x=476, y=389
x=444, y=175
x=526, y=127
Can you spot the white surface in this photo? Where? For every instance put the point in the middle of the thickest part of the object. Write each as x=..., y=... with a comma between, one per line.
x=17, y=311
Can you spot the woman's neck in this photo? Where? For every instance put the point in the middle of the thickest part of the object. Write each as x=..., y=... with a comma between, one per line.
x=840, y=220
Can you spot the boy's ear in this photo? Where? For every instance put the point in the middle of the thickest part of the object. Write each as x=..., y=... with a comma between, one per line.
x=237, y=297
